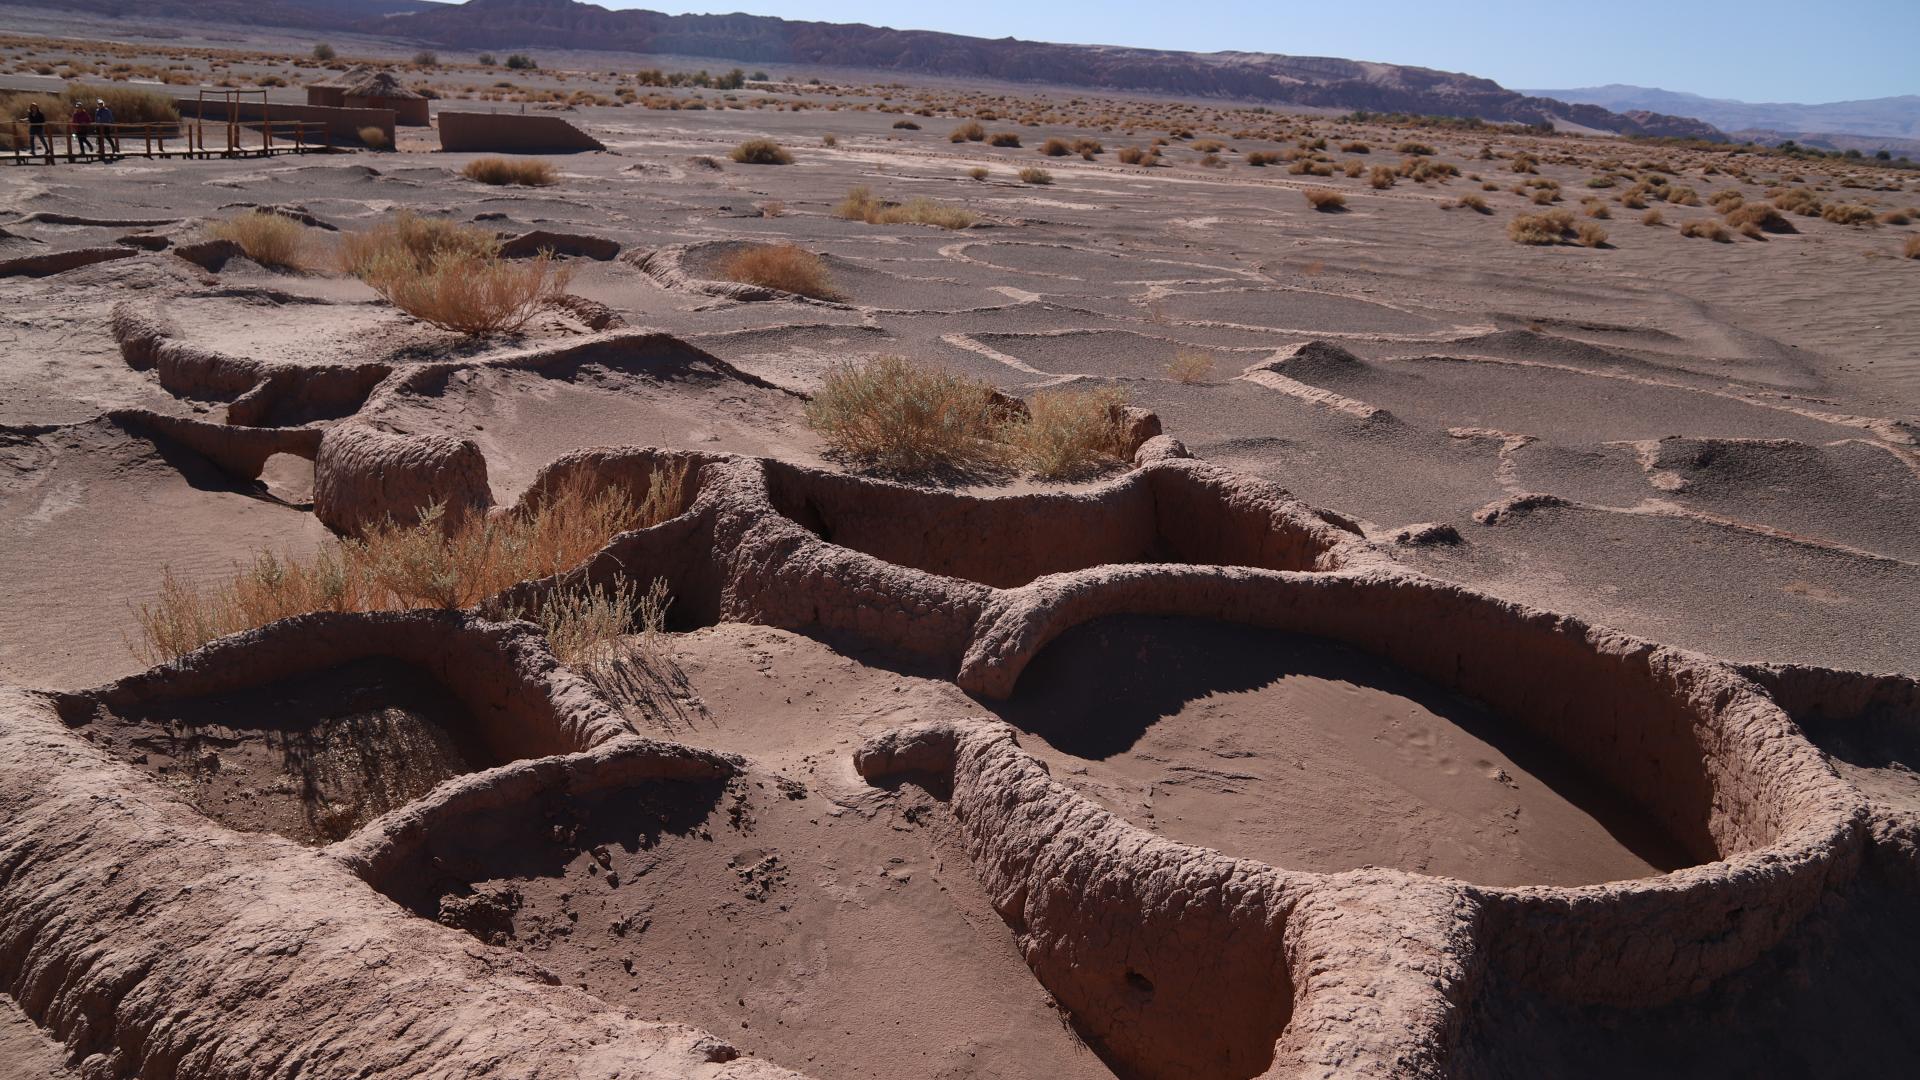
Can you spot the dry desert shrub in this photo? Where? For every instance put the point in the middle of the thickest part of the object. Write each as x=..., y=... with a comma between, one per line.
x=861, y=205
x=1262, y=158
x=502, y=172
x=1035, y=176
x=1475, y=203
x=971, y=131
x=421, y=239
x=1525, y=163
x=1325, y=199
x=1003, y=138
x=1761, y=217
x=1652, y=217
x=979, y=172
x=898, y=417
x=1706, y=229
x=1355, y=147
x=829, y=140
x=905, y=125
x=1416, y=148
x=452, y=275
x=1846, y=214
x=1056, y=148
x=1590, y=235
x=784, y=267
x=760, y=152
x=1911, y=248
x=1191, y=366
x=471, y=295
x=1897, y=217
x=586, y=626
x=1541, y=229
x=1380, y=177
x=374, y=138
x=268, y=238
x=429, y=563
x=1068, y=433
x=1797, y=201
x=1134, y=155
x=1682, y=196
x=1353, y=168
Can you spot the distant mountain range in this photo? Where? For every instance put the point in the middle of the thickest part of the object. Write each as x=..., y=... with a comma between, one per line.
x=1891, y=121
x=502, y=25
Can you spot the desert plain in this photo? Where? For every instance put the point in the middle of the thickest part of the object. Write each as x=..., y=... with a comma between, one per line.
x=1487, y=659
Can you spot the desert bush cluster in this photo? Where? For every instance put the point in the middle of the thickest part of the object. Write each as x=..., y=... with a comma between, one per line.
x=786, y=267
x=897, y=417
x=433, y=562
x=502, y=172
x=452, y=275
x=862, y=205
x=270, y=239
x=760, y=152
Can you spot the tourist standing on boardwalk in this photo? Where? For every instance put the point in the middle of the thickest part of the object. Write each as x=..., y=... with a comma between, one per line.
x=103, y=119
x=81, y=123
x=37, y=129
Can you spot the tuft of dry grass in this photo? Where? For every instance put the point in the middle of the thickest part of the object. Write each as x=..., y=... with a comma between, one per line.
x=502, y=172
x=1003, y=138
x=760, y=152
x=1706, y=229
x=1846, y=214
x=1068, y=433
x=897, y=417
x=1035, y=176
x=1590, y=235
x=979, y=172
x=374, y=138
x=971, y=131
x=1326, y=200
x=861, y=205
x=829, y=140
x=1476, y=203
x=905, y=125
x=1652, y=217
x=585, y=626
x=429, y=563
x=1056, y=148
x=268, y=238
x=1381, y=177
x=1911, y=248
x=1760, y=217
x=1191, y=366
x=784, y=267
x=1135, y=155
x=1541, y=229
x=452, y=275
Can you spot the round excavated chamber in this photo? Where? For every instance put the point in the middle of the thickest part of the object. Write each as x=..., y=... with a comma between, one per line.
x=1310, y=755
x=1169, y=512
x=311, y=757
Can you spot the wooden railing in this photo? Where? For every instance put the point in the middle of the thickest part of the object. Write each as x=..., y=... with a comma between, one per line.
x=192, y=138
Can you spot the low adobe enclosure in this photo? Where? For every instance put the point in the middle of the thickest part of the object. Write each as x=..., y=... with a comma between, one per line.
x=282, y=854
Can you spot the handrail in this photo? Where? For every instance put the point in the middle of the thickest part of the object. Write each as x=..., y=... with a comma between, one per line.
x=92, y=141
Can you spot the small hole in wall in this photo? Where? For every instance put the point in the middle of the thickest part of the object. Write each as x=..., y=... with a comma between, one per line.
x=1139, y=984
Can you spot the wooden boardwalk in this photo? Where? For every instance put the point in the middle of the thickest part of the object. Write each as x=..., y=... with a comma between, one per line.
x=189, y=139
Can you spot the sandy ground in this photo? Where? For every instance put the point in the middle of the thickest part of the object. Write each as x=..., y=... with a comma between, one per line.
x=1728, y=432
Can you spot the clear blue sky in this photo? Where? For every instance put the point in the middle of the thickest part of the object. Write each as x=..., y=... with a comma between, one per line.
x=1754, y=50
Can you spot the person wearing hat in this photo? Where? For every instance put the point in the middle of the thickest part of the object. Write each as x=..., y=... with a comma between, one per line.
x=103, y=119
x=37, y=129
x=80, y=123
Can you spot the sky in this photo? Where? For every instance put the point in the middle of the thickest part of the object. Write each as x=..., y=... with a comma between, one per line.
x=1752, y=50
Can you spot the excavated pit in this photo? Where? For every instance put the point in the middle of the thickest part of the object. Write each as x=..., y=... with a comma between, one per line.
x=312, y=757
x=1310, y=755
x=1171, y=512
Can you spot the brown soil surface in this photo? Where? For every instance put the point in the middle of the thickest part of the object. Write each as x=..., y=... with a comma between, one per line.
x=311, y=758
x=1305, y=754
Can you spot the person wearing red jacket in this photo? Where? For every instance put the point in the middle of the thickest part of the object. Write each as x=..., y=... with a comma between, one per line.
x=81, y=123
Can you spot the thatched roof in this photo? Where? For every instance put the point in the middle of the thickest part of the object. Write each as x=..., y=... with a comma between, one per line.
x=367, y=83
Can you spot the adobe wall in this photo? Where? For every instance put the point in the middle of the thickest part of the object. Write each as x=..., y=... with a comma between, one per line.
x=512, y=133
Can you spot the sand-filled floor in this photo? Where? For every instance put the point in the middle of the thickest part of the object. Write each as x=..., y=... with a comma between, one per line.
x=1312, y=756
